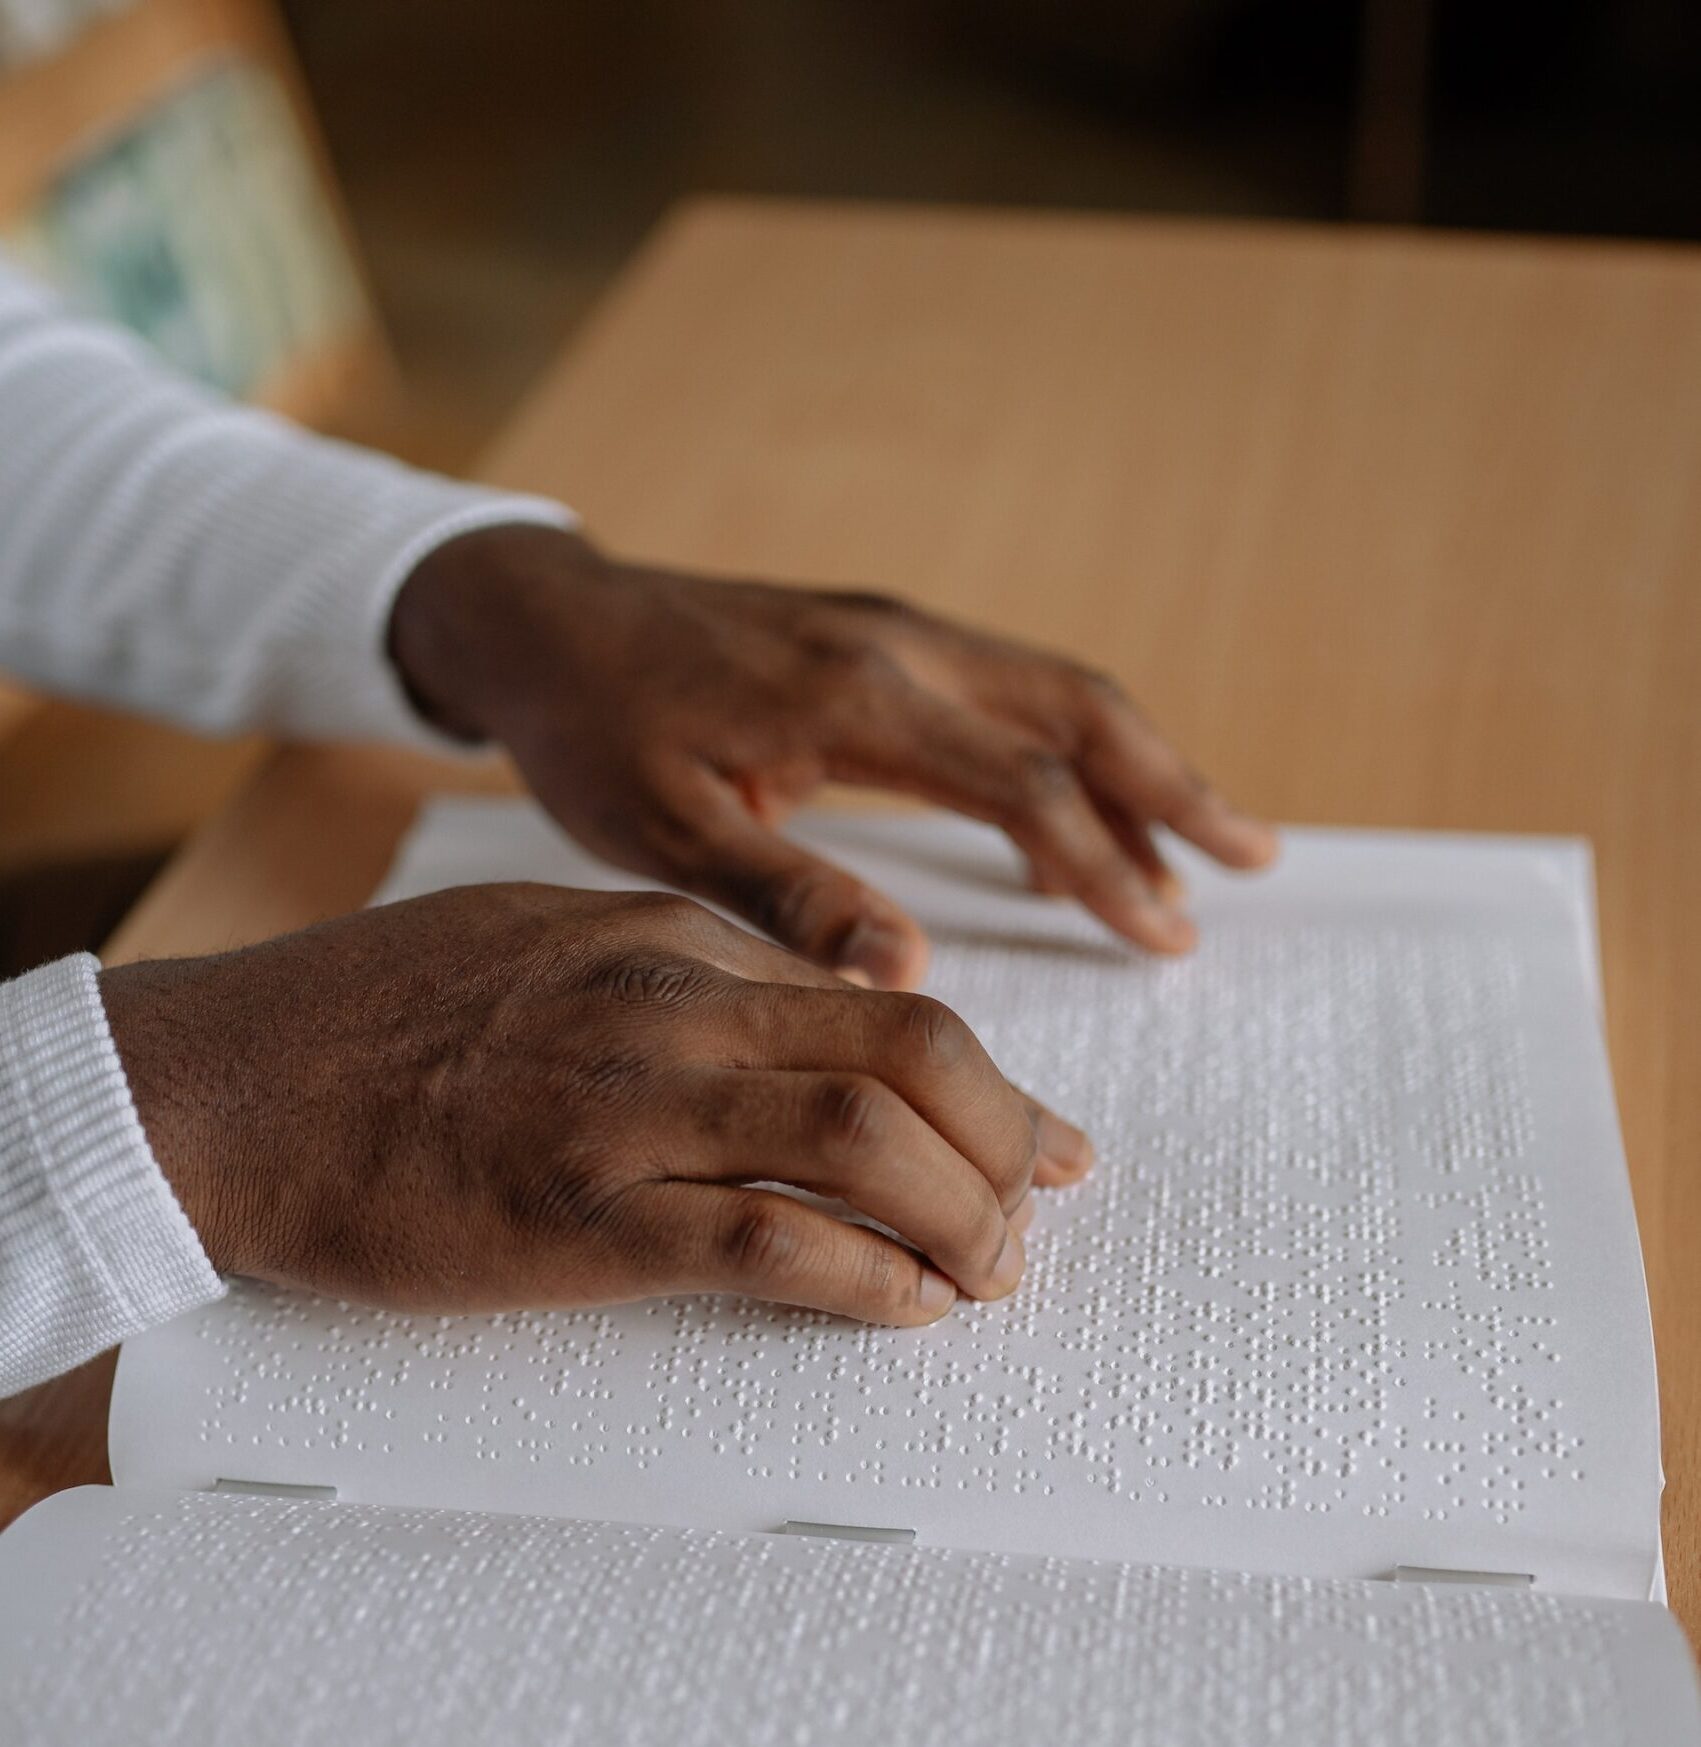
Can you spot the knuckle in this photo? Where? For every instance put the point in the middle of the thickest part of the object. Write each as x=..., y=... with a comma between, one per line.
x=931, y=1030
x=850, y=1113
x=1040, y=778
x=760, y=1243
x=863, y=668
x=581, y=1195
x=882, y=1281
x=522, y=897
x=849, y=665
x=655, y=982
x=668, y=913
x=1099, y=689
x=524, y=911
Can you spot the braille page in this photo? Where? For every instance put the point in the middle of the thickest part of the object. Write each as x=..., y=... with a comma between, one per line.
x=205, y=1619
x=1354, y=1285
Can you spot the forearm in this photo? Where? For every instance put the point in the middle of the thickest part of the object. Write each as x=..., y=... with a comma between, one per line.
x=166, y=552
x=93, y=1244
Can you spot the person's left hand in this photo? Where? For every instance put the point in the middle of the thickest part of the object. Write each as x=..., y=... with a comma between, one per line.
x=670, y=721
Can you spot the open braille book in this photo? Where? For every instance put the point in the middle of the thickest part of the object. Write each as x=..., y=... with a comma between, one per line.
x=1326, y=1413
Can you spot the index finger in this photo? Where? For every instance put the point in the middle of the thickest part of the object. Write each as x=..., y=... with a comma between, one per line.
x=804, y=1034
x=1134, y=776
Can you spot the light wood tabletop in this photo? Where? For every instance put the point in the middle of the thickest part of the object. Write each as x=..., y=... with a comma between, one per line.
x=1386, y=529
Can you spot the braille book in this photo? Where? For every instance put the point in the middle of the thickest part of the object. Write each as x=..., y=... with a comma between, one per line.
x=1326, y=1413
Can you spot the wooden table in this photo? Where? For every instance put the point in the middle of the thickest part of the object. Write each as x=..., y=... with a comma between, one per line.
x=1387, y=529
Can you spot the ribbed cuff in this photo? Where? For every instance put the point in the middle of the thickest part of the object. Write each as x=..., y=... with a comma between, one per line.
x=93, y=1244
x=346, y=684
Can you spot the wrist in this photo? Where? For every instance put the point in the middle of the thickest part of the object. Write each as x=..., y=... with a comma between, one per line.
x=461, y=630
x=170, y=1087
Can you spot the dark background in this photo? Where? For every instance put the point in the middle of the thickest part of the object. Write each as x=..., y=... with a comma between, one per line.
x=502, y=157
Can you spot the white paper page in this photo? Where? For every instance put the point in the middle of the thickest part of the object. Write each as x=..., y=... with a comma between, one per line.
x=1355, y=1283
x=204, y=1619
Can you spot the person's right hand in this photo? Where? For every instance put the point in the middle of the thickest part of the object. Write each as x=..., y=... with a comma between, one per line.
x=522, y=1096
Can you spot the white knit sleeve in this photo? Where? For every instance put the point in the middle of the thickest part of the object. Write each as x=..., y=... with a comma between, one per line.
x=93, y=1245
x=165, y=551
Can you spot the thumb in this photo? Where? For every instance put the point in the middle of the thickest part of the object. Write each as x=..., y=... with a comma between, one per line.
x=805, y=903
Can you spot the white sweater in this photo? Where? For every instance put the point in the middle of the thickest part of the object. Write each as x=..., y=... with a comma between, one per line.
x=166, y=552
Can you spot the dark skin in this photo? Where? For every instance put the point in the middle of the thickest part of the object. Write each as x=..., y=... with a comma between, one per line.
x=516, y=1095
x=523, y=1095
x=671, y=721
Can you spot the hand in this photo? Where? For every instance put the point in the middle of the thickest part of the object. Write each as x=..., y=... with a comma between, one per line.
x=505, y=1096
x=669, y=722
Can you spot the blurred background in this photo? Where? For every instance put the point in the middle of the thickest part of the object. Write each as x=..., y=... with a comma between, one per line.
x=502, y=157
x=385, y=219
x=497, y=160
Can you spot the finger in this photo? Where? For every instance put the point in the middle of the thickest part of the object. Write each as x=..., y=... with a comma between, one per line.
x=1064, y=1153
x=850, y=1136
x=677, y=924
x=804, y=1018
x=709, y=1238
x=804, y=902
x=1089, y=717
x=960, y=758
x=917, y=1047
x=774, y=999
x=1141, y=849
x=1136, y=777
x=917, y=1044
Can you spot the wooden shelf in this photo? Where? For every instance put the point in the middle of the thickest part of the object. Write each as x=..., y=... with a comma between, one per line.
x=57, y=110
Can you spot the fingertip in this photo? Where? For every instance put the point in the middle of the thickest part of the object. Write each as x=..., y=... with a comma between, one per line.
x=1061, y=1145
x=1007, y=1272
x=1023, y=1217
x=1055, y=1173
x=1240, y=842
x=1257, y=846
x=882, y=952
x=1130, y=907
x=1180, y=936
x=1160, y=930
x=1169, y=886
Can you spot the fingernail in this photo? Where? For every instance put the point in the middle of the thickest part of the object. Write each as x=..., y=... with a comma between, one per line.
x=1062, y=1142
x=1023, y=1217
x=1146, y=918
x=872, y=950
x=1176, y=932
x=1257, y=843
x=1011, y=1260
x=851, y=974
x=936, y=1294
x=1169, y=885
